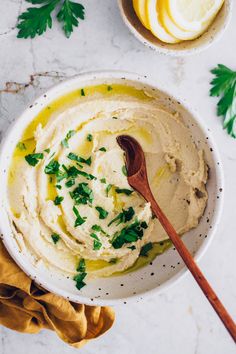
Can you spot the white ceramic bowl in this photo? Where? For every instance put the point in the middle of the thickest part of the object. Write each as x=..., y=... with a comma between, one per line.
x=165, y=269
x=213, y=33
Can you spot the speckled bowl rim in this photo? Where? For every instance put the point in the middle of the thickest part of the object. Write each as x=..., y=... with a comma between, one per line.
x=173, y=52
x=52, y=94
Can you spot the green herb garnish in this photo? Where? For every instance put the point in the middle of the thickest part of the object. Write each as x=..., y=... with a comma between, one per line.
x=124, y=191
x=102, y=212
x=79, y=219
x=109, y=88
x=70, y=183
x=47, y=151
x=132, y=248
x=81, y=266
x=79, y=159
x=82, y=92
x=89, y=137
x=96, y=242
x=78, y=278
x=55, y=238
x=124, y=216
x=36, y=20
x=224, y=85
x=52, y=168
x=74, y=172
x=58, y=186
x=64, y=142
x=103, y=180
x=21, y=146
x=103, y=149
x=82, y=194
x=108, y=188
x=128, y=234
x=33, y=159
x=145, y=249
x=58, y=200
x=98, y=228
x=124, y=170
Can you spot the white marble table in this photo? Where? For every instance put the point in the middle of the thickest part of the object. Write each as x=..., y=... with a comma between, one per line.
x=181, y=320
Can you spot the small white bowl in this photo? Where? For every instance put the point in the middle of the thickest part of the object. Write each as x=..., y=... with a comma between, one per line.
x=165, y=269
x=213, y=33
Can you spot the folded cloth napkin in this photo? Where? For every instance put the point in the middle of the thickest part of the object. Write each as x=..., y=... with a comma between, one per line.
x=26, y=307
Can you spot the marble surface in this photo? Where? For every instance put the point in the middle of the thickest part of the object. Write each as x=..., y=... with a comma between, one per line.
x=180, y=320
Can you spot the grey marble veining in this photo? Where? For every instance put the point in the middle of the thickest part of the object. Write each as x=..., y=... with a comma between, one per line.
x=180, y=320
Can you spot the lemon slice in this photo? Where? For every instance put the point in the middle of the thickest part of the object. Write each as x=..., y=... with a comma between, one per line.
x=190, y=15
x=155, y=25
x=176, y=31
x=140, y=9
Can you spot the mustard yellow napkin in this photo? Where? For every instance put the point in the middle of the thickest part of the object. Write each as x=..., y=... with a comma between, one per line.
x=26, y=307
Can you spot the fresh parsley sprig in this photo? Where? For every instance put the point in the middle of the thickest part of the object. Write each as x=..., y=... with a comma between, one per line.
x=224, y=85
x=36, y=20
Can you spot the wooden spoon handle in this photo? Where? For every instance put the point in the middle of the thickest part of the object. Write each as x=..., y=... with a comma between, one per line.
x=194, y=269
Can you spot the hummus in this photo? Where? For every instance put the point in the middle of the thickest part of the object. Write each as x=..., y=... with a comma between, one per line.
x=71, y=206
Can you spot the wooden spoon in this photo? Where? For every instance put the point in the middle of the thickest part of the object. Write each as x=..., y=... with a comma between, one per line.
x=137, y=178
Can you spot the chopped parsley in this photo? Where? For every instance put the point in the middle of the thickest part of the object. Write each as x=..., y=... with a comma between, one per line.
x=108, y=188
x=55, y=238
x=58, y=200
x=103, y=149
x=98, y=228
x=64, y=142
x=103, y=180
x=132, y=248
x=47, y=151
x=113, y=260
x=114, y=118
x=89, y=137
x=52, y=168
x=124, y=170
x=145, y=249
x=124, y=216
x=74, y=172
x=102, y=212
x=33, y=159
x=21, y=146
x=96, y=242
x=70, y=183
x=82, y=92
x=58, y=186
x=81, y=266
x=79, y=219
x=77, y=158
x=124, y=191
x=128, y=234
x=109, y=88
x=82, y=194
x=79, y=279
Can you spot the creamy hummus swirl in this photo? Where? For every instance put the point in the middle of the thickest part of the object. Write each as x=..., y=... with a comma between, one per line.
x=60, y=215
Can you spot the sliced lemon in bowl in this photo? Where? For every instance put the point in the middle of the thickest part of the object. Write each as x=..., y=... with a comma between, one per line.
x=140, y=9
x=155, y=24
x=190, y=15
x=176, y=31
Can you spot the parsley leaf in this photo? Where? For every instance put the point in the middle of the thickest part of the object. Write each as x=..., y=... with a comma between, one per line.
x=102, y=212
x=103, y=180
x=74, y=172
x=52, y=168
x=58, y=200
x=89, y=137
x=224, y=84
x=145, y=249
x=124, y=216
x=96, y=242
x=77, y=158
x=128, y=234
x=82, y=194
x=21, y=146
x=69, y=13
x=108, y=188
x=124, y=170
x=55, y=238
x=81, y=266
x=69, y=135
x=78, y=278
x=103, y=149
x=36, y=20
x=79, y=219
x=33, y=159
x=124, y=191
x=99, y=229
